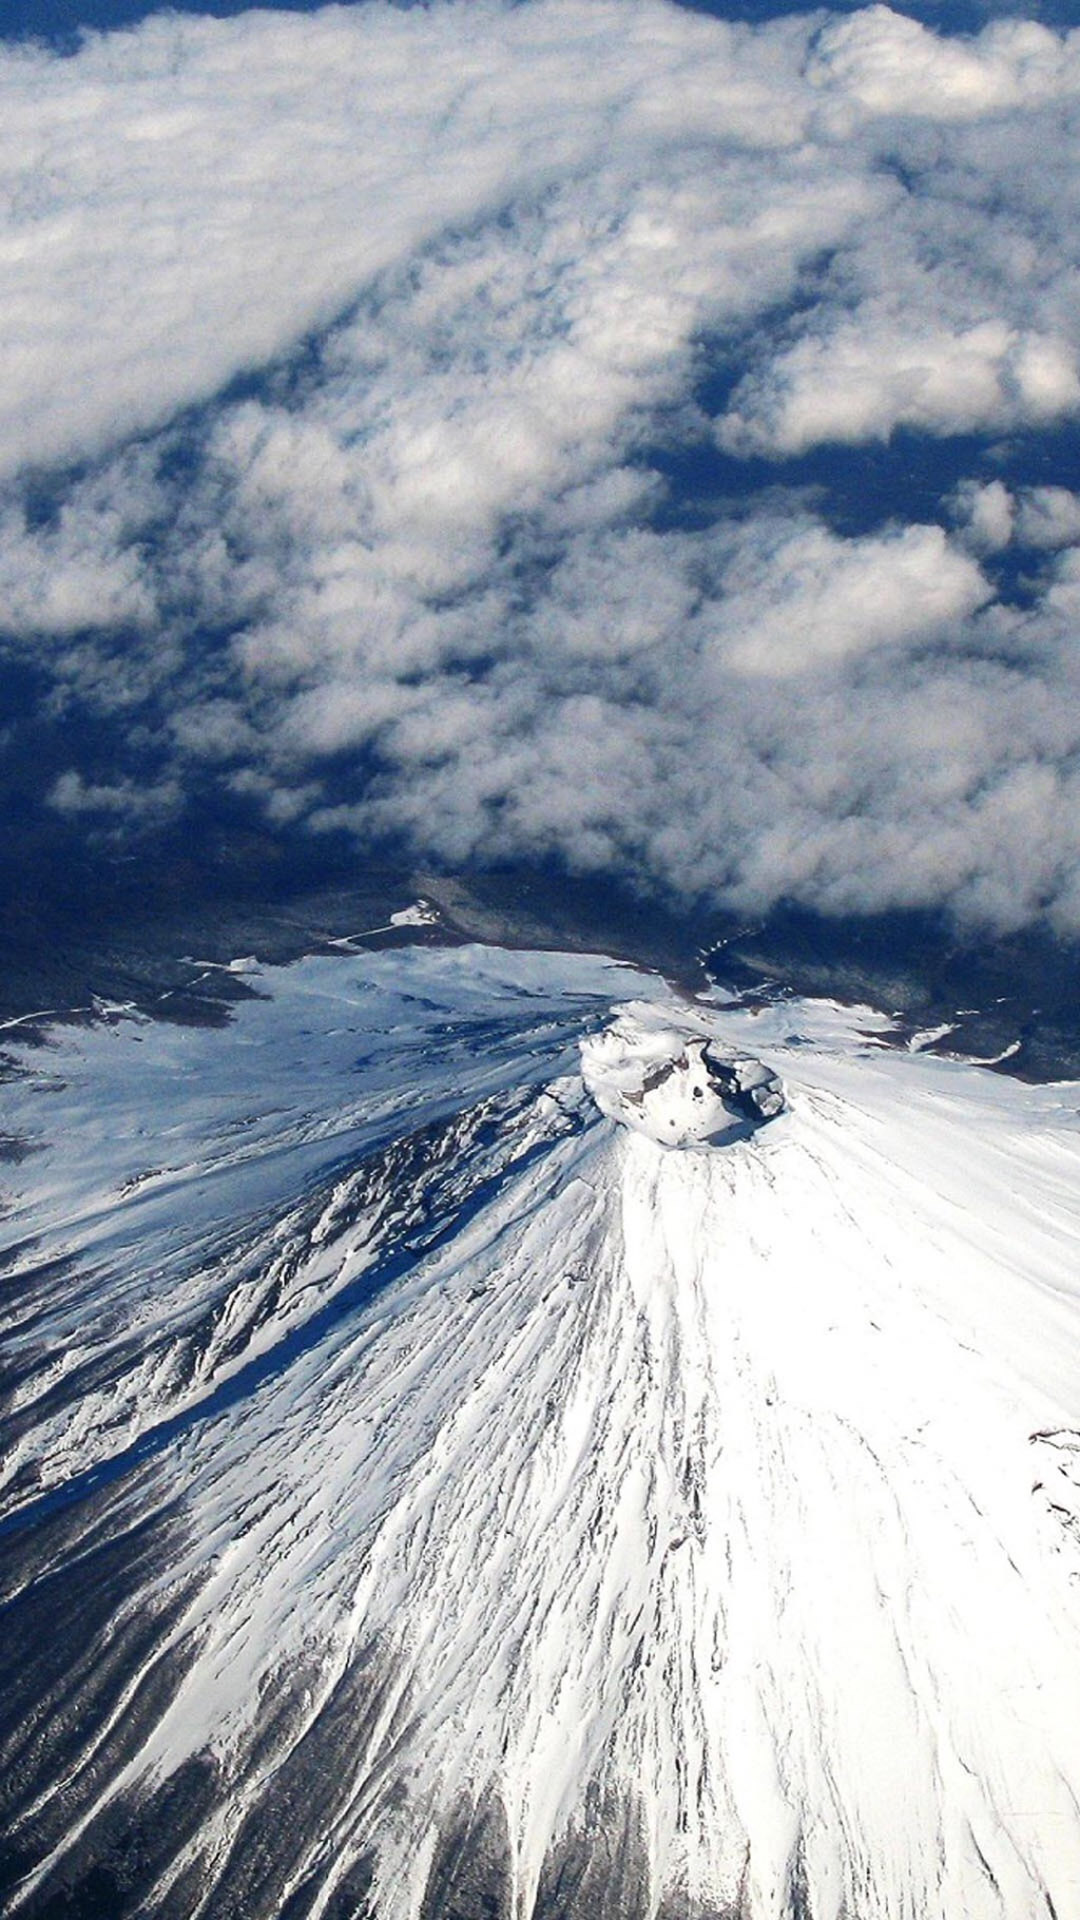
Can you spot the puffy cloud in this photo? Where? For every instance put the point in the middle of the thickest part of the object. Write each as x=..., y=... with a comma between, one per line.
x=1048, y=517
x=421, y=577
x=81, y=570
x=866, y=377
x=883, y=63
x=133, y=804
x=987, y=510
x=808, y=599
x=188, y=199
x=1043, y=519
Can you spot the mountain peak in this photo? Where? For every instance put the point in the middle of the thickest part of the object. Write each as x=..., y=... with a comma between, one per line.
x=677, y=1083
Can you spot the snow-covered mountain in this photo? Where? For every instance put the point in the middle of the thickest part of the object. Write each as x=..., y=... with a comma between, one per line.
x=488, y=1436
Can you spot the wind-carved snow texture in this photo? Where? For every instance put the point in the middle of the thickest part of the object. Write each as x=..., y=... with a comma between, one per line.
x=430, y=1496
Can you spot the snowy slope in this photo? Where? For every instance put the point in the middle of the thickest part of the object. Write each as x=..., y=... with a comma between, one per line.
x=451, y=1500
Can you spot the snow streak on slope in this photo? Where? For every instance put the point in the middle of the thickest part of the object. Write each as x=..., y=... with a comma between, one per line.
x=451, y=1501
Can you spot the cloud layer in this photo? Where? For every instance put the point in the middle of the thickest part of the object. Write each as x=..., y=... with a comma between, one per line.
x=346, y=353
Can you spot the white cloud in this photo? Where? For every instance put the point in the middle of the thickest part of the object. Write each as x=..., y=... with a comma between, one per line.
x=82, y=571
x=71, y=794
x=808, y=599
x=987, y=512
x=883, y=370
x=887, y=64
x=211, y=190
x=492, y=249
x=1048, y=517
